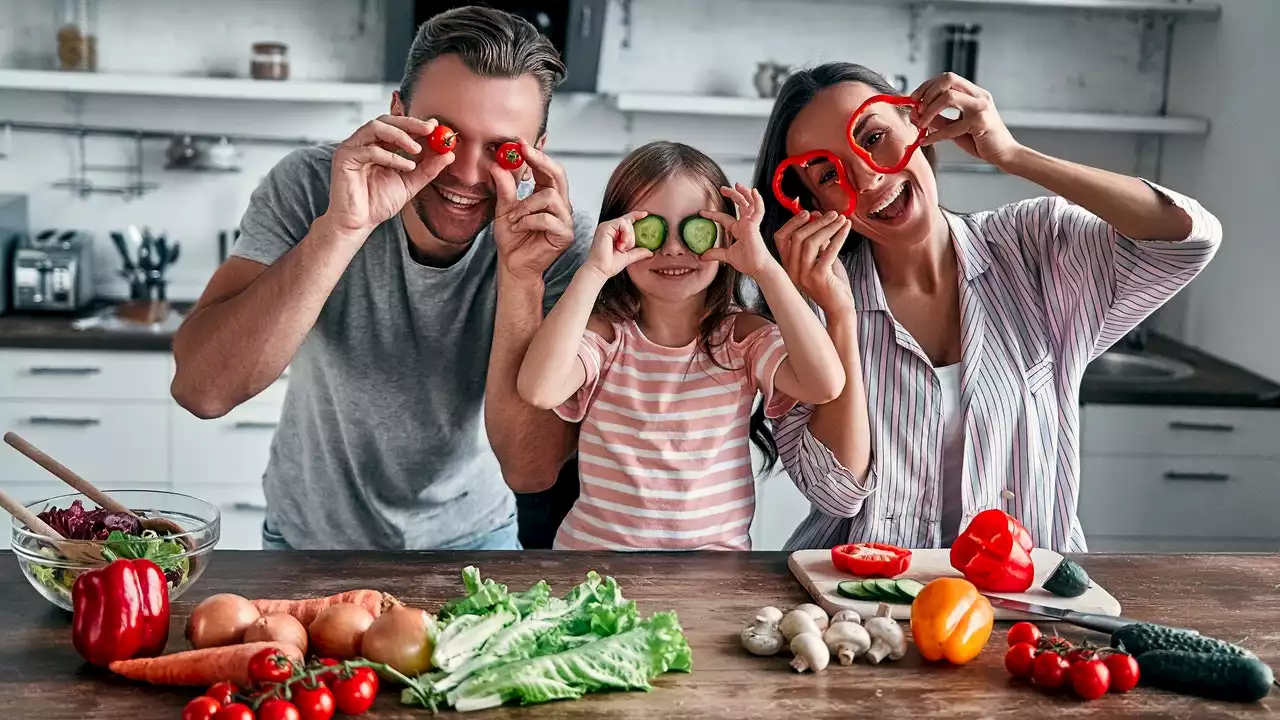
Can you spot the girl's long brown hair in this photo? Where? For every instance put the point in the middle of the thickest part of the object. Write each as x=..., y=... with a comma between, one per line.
x=634, y=178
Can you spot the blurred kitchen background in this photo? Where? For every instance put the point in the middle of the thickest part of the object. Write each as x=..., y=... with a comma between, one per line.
x=138, y=128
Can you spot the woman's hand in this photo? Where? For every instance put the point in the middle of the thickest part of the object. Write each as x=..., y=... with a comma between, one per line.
x=978, y=131
x=809, y=244
x=746, y=251
x=614, y=247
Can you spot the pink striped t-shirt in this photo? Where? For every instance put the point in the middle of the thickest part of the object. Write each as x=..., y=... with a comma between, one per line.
x=664, y=456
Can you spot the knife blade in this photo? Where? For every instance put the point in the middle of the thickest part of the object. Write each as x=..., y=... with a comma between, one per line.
x=1091, y=621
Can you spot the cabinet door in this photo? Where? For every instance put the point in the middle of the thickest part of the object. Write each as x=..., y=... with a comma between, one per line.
x=230, y=449
x=242, y=509
x=83, y=375
x=104, y=442
x=1138, y=430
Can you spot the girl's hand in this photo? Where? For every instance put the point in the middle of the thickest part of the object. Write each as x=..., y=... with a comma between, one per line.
x=614, y=247
x=809, y=244
x=746, y=251
x=979, y=130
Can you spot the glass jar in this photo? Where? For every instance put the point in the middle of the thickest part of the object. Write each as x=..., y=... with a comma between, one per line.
x=270, y=61
x=77, y=35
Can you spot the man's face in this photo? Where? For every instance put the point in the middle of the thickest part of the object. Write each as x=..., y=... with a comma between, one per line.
x=485, y=112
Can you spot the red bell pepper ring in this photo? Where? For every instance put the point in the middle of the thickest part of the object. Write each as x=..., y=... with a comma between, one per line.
x=871, y=559
x=121, y=612
x=994, y=553
x=862, y=152
x=842, y=179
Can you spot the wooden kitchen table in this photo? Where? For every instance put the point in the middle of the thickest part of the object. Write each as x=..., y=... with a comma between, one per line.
x=1233, y=597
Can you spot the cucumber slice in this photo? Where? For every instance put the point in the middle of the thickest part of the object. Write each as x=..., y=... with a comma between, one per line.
x=856, y=589
x=910, y=588
x=699, y=233
x=651, y=232
x=887, y=590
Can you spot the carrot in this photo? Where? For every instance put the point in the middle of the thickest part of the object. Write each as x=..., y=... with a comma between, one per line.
x=306, y=610
x=200, y=667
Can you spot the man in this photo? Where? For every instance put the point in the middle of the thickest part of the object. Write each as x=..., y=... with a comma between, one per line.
x=402, y=287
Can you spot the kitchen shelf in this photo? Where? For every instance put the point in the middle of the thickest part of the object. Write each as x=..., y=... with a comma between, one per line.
x=194, y=87
x=1182, y=8
x=666, y=104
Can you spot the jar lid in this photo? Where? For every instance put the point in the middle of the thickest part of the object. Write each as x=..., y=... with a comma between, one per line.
x=270, y=47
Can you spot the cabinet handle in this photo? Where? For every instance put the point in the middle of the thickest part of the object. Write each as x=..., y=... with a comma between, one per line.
x=1210, y=476
x=65, y=421
x=249, y=507
x=1203, y=427
x=254, y=425
x=48, y=370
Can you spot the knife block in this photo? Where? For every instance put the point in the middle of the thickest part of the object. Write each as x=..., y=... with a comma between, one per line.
x=145, y=312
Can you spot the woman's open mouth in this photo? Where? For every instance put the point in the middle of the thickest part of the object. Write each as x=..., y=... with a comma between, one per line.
x=893, y=205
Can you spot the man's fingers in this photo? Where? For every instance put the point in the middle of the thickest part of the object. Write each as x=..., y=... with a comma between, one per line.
x=412, y=125
x=541, y=222
x=546, y=172
x=374, y=155
x=430, y=165
x=505, y=185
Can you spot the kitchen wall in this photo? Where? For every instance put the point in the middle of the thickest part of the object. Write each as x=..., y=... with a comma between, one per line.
x=1028, y=60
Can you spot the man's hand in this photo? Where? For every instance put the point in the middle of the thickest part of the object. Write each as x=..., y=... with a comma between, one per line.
x=371, y=182
x=532, y=233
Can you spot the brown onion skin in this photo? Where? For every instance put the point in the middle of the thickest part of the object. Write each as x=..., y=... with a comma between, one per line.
x=280, y=627
x=400, y=639
x=336, y=632
x=220, y=619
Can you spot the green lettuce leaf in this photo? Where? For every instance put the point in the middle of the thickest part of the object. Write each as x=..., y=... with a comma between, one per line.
x=533, y=599
x=481, y=596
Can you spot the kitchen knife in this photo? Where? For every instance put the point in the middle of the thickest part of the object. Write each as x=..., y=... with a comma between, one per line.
x=1092, y=621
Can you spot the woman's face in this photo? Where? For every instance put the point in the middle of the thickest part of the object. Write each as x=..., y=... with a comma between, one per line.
x=891, y=210
x=675, y=273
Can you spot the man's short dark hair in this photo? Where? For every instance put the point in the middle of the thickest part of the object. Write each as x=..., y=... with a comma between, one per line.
x=491, y=43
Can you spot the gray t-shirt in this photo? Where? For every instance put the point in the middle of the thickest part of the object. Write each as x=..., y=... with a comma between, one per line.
x=381, y=442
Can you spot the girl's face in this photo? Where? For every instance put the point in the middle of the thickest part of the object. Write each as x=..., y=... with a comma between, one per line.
x=675, y=273
x=897, y=209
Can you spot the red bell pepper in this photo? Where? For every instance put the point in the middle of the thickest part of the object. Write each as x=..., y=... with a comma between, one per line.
x=871, y=559
x=121, y=612
x=994, y=553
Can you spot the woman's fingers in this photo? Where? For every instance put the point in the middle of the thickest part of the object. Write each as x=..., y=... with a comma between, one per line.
x=829, y=254
x=817, y=225
x=968, y=105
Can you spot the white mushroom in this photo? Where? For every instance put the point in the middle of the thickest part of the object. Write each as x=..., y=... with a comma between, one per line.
x=810, y=652
x=817, y=613
x=796, y=622
x=762, y=637
x=847, y=641
x=847, y=616
x=773, y=614
x=887, y=638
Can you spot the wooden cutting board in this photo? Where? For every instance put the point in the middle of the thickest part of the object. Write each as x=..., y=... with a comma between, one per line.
x=815, y=572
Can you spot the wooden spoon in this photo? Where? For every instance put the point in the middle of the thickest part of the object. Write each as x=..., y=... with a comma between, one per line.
x=83, y=551
x=162, y=526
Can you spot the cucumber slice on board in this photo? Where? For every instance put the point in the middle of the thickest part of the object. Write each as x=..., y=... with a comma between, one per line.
x=887, y=590
x=699, y=233
x=910, y=588
x=651, y=232
x=856, y=589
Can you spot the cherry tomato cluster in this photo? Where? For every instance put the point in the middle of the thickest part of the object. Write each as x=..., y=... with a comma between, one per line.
x=443, y=139
x=1052, y=663
x=288, y=692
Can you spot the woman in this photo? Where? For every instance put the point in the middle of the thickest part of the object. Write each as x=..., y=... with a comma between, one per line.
x=971, y=332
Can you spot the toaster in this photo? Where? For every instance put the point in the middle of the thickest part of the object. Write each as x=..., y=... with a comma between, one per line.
x=53, y=271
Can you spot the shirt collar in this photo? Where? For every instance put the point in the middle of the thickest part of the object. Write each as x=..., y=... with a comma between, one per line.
x=971, y=249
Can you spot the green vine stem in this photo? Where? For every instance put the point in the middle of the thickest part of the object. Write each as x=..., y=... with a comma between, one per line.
x=309, y=677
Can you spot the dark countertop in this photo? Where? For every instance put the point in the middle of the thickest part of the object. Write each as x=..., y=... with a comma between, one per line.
x=1216, y=383
x=714, y=594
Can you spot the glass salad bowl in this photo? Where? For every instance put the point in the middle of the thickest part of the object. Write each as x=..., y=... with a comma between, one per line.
x=182, y=555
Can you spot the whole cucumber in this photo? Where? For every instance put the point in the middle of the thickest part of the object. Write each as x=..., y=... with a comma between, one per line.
x=1210, y=675
x=1140, y=638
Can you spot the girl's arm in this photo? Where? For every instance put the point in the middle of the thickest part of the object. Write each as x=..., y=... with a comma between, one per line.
x=812, y=372
x=551, y=372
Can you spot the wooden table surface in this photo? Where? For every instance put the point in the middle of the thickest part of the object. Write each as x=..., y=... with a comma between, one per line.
x=1233, y=597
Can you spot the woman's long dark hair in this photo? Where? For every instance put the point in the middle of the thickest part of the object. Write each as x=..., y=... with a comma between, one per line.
x=619, y=300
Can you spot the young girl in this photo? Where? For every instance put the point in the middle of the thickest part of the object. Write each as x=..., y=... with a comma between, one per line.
x=647, y=350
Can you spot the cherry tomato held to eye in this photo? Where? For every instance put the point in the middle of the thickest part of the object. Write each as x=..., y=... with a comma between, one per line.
x=509, y=157
x=1020, y=659
x=442, y=139
x=355, y=694
x=1023, y=632
x=201, y=708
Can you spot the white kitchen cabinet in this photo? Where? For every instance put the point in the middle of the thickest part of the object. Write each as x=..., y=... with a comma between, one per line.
x=1129, y=430
x=103, y=441
x=83, y=374
x=241, y=509
x=230, y=449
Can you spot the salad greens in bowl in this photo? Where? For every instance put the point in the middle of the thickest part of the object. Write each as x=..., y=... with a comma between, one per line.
x=182, y=556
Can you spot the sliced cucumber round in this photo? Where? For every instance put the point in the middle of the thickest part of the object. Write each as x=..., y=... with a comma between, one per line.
x=856, y=589
x=699, y=233
x=651, y=232
x=910, y=588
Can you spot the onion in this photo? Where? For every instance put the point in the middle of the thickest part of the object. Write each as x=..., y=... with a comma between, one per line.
x=336, y=631
x=220, y=620
x=401, y=639
x=278, y=627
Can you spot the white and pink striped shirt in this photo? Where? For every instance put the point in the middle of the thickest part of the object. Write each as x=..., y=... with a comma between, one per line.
x=663, y=456
x=1045, y=288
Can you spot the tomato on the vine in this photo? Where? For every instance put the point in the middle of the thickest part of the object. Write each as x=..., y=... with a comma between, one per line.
x=270, y=665
x=1078, y=655
x=442, y=139
x=1020, y=659
x=327, y=676
x=278, y=709
x=313, y=703
x=201, y=708
x=355, y=694
x=1023, y=632
x=1090, y=678
x=235, y=711
x=1050, y=670
x=223, y=692
x=1124, y=671
x=509, y=157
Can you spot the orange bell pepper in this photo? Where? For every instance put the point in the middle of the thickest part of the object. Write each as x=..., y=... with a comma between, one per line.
x=951, y=620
